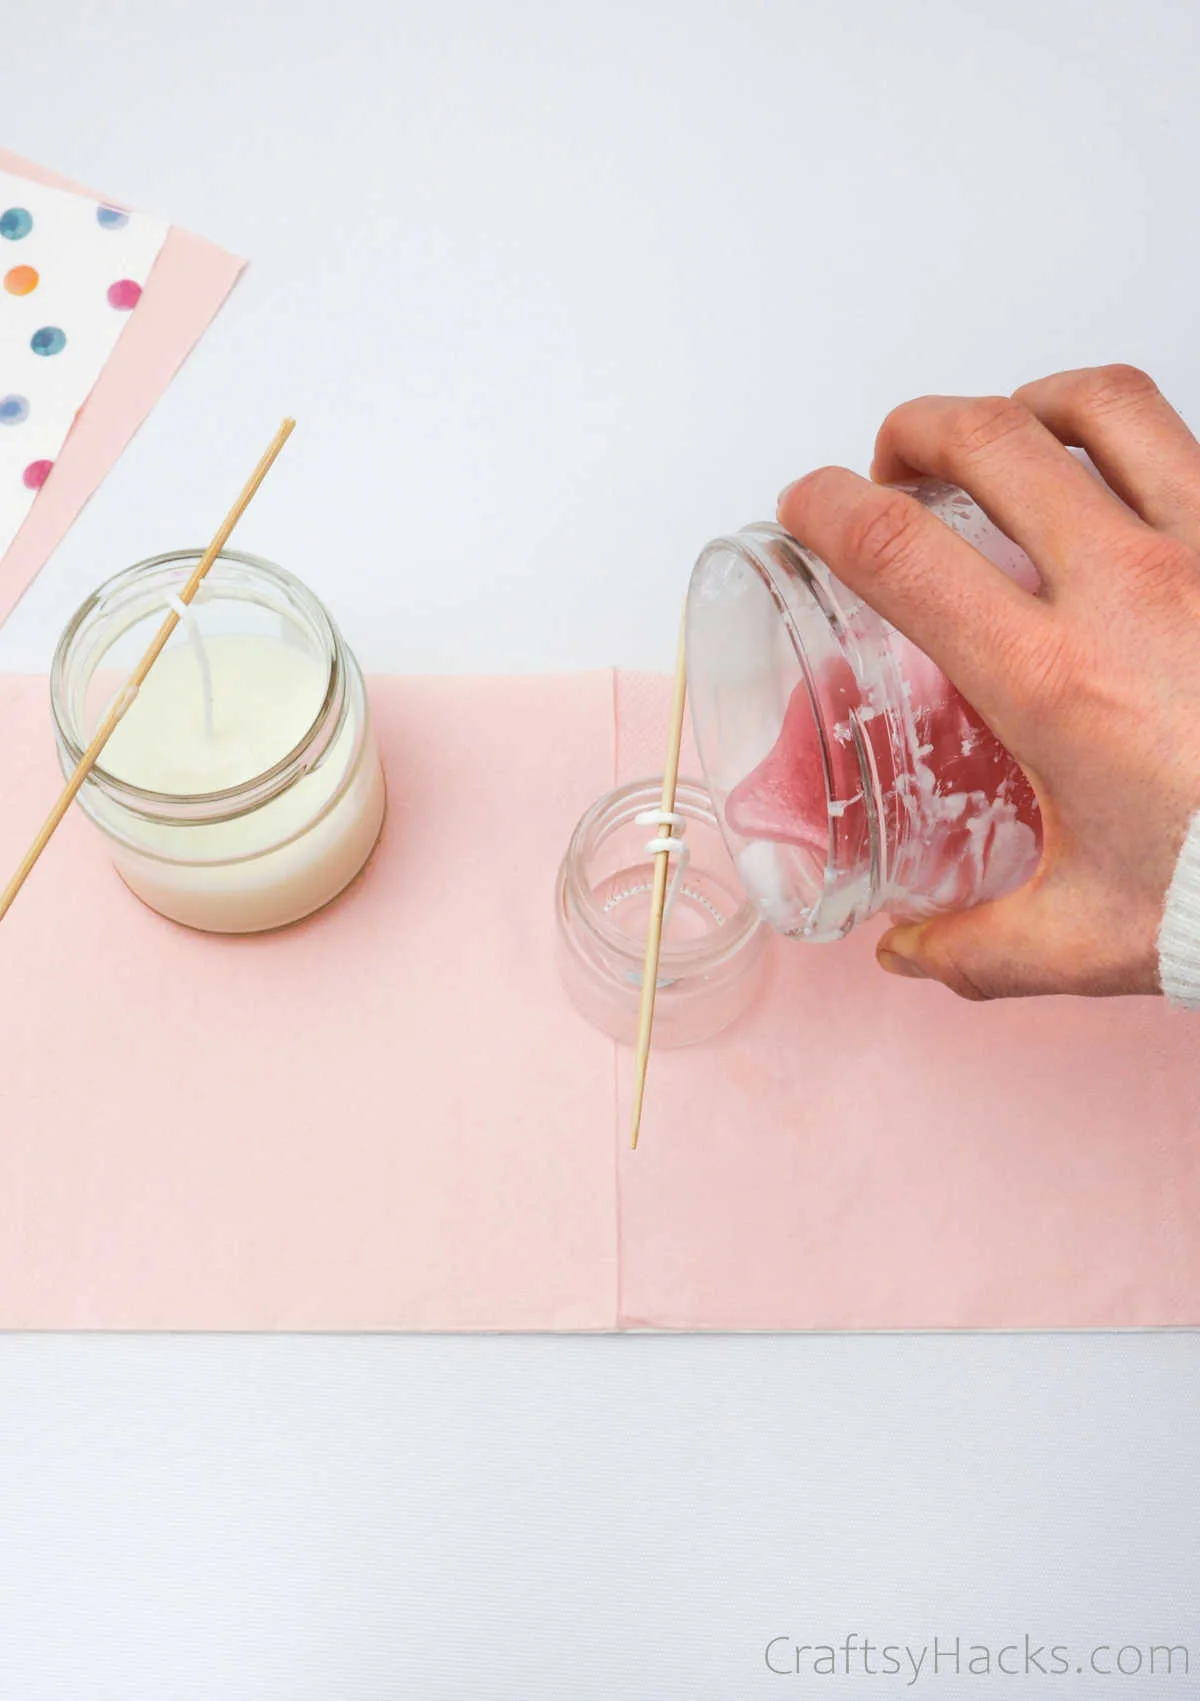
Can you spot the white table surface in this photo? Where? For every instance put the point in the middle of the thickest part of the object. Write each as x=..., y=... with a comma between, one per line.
x=557, y=292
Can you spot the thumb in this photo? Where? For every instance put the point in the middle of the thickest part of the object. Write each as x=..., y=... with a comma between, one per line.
x=997, y=950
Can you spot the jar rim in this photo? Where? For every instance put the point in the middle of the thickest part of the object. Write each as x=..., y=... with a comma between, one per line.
x=617, y=808
x=232, y=801
x=797, y=584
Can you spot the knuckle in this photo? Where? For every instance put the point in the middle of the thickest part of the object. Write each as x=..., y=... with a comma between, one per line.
x=984, y=422
x=822, y=483
x=1153, y=561
x=965, y=983
x=1114, y=389
x=819, y=491
x=885, y=530
x=903, y=415
x=950, y=958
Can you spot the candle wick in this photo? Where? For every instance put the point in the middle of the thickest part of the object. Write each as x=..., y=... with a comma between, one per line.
x=196, y=643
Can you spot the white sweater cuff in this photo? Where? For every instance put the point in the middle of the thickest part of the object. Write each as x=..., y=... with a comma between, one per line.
x=1179, y=936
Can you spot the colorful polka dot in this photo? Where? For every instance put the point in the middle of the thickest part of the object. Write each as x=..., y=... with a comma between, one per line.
x=14, y=410
x=49, y=340
x=36, y=474
x=124, y=294
x=15, y=222
x=111, y=218
x=21, y=280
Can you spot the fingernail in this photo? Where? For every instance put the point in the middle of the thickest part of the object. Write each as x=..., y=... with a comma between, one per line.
x=895, y=964
x=785, y=493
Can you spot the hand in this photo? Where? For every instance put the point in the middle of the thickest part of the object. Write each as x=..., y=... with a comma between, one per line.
x=1094, y=686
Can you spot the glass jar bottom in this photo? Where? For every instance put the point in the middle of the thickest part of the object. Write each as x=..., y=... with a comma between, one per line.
x=277, y=888
x=701, y=905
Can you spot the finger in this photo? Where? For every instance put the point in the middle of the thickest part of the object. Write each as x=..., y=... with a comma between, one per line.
x=1138, y=442
x=1028, y=943
x=994, y=951
x=1020, y=474
x=986, y=634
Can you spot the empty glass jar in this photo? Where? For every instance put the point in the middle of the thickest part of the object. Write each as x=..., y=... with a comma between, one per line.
x=713, y=942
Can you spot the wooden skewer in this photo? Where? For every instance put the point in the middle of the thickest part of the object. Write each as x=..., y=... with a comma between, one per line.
x=134, y=683
x=662, y=860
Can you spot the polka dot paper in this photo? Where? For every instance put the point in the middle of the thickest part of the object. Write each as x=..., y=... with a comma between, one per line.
x=72, y=271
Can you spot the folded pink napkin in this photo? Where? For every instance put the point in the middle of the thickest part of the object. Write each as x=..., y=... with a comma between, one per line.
x=389, y=1118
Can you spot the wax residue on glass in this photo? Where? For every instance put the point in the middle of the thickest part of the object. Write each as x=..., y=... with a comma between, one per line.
x=963, y=819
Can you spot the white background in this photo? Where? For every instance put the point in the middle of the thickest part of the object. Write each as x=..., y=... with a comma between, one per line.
x=556, y=292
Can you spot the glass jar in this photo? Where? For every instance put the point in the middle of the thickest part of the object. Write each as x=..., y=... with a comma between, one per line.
x=713, y=944
x=242, y=789
x=848, y=775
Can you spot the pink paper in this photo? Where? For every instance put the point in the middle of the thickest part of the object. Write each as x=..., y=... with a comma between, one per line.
x=384, y=1118
x=389, y=1118
x=866, y=1153
x=190, y=280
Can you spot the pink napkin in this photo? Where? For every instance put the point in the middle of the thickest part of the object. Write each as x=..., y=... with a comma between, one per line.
x=389, y=1118
x=190, y=280
x=384, y=1118
x=870, y=1153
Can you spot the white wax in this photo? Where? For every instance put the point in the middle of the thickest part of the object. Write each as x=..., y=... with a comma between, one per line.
x=265, y=697
x=277, y=862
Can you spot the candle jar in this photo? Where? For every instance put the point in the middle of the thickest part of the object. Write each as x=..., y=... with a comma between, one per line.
x=848, y=774
x=242, y=788
x=713, y=943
